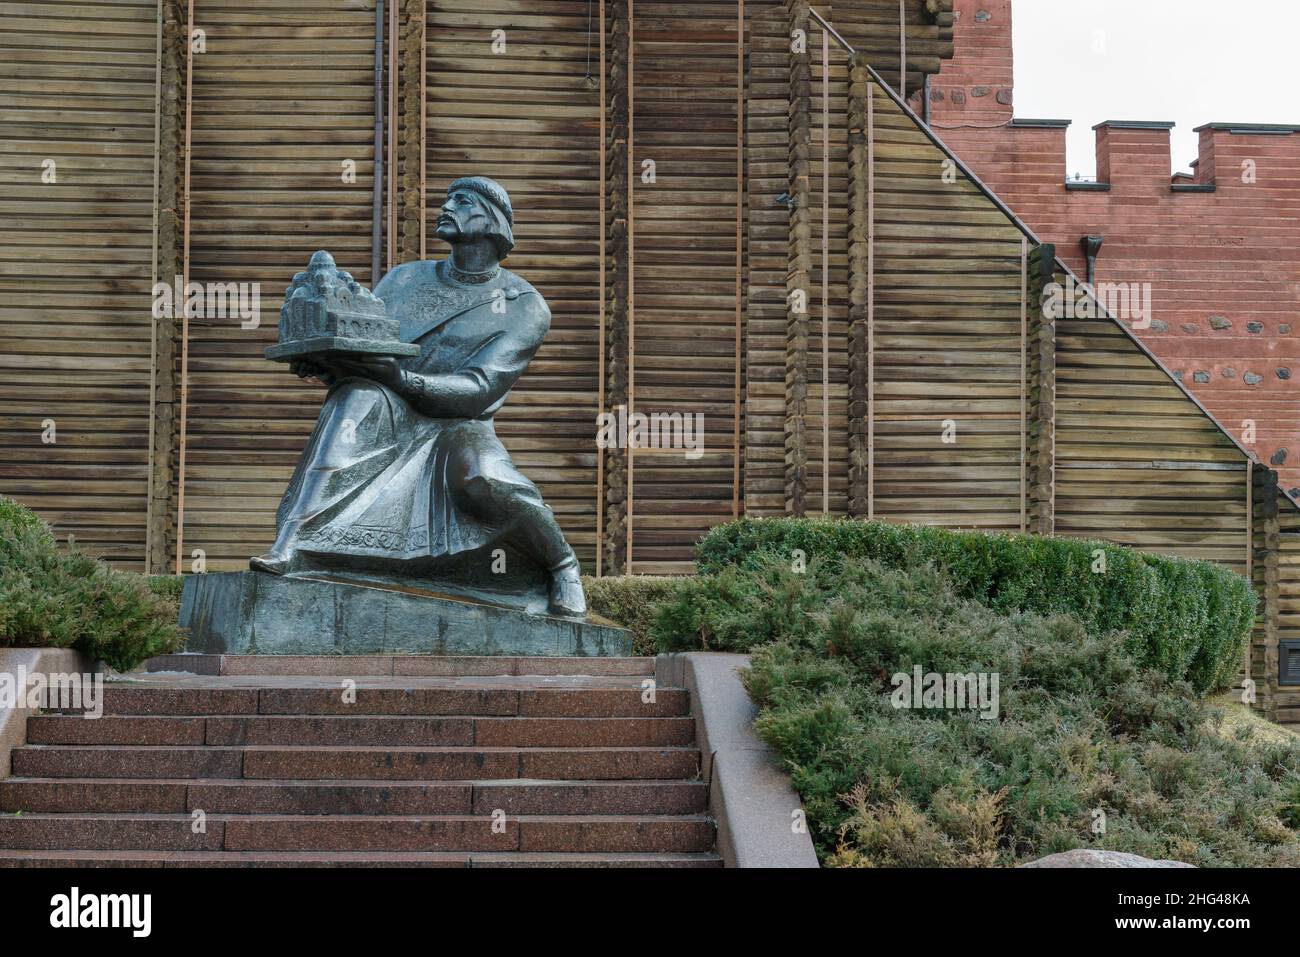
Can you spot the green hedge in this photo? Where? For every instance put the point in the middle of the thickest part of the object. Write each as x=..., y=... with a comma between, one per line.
x=631, y=601
x=55, y=597
x=1188, y=619
x=168, y=588
x=1073, y=726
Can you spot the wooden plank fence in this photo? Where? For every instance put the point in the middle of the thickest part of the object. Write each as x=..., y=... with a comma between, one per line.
x=78, y=119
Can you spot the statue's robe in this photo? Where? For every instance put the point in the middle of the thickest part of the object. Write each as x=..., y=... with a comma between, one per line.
x=382, y=474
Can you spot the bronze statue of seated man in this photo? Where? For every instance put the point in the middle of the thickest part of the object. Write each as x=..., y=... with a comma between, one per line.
x=404, y=464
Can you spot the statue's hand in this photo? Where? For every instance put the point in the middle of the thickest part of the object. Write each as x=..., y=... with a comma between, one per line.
x=305, y=369
x=381, y=369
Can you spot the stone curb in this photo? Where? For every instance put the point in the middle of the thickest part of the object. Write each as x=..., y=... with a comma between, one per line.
x=13, y=720
x=750, y=797
x=394, y=666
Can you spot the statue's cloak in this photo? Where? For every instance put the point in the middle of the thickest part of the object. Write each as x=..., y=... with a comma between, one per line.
x=375, y=479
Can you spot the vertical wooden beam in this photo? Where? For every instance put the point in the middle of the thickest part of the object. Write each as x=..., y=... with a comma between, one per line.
x=631, y=275
x=377, y=192
x=601, y=157
x=424, y=128
x=1250, y=519
x=409, y=206
x=1250, y=551
x=392, y=133
x=871, y=300
x=1041, y=389
x=185, y=281
x=153, y=280
x=1024, y=379
x=390, y=164
x=1266, y=577
x=859, y=285
x=799, y=264
x=166, y=256
x=618, y=195
x=826, y=272
x=740, y=256
x=902, y=49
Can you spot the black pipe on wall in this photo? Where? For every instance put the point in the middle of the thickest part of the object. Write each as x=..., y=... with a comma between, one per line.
x=377, y=223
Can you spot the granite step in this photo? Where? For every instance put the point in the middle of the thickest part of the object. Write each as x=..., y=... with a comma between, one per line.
x=345, y=832
x=122, y=761
x=130, y=858
x=125, y=795
x=356, y=666
x=450, y=697
x=462, y=765
x=354, y=763
x=406, y=731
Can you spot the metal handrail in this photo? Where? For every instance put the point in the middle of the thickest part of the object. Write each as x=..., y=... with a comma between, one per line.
x=834, y=34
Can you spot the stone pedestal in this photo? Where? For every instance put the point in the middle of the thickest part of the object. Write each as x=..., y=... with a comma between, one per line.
x=258, y=613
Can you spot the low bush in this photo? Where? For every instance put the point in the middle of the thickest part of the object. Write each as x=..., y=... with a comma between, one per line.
x=168, y=588
x=1078, y=732
x=1188, y=619
x=51, y=596
x=631, y=601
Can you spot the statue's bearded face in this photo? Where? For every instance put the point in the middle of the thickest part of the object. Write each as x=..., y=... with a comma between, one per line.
x=463, y=217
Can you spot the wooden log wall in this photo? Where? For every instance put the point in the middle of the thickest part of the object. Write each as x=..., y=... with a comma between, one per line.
x=283, y=98
x=682, y=332
x=1138, y=461
x=873, y=24
x=767, y=148
x=872, y=28
x=77, y=127
x=948, y=296
x=528, y=117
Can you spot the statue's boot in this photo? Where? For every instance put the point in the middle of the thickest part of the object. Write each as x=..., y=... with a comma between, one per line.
x=567, y=598
x=279, y=560
x=539, y=534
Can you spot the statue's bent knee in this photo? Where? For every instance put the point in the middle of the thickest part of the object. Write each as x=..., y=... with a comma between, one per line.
x=486, y=495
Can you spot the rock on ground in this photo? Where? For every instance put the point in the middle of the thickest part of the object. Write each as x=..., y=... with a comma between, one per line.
x=1087, y=857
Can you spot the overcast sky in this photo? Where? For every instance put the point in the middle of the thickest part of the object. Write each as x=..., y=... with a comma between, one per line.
x=1186, y=61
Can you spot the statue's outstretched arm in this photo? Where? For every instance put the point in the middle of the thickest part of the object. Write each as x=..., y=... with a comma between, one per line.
x=477, y=385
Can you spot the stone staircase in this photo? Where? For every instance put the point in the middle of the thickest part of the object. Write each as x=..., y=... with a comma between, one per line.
x=501, y=769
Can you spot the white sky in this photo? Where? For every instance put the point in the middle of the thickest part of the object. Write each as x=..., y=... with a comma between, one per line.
x=1186, y=61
